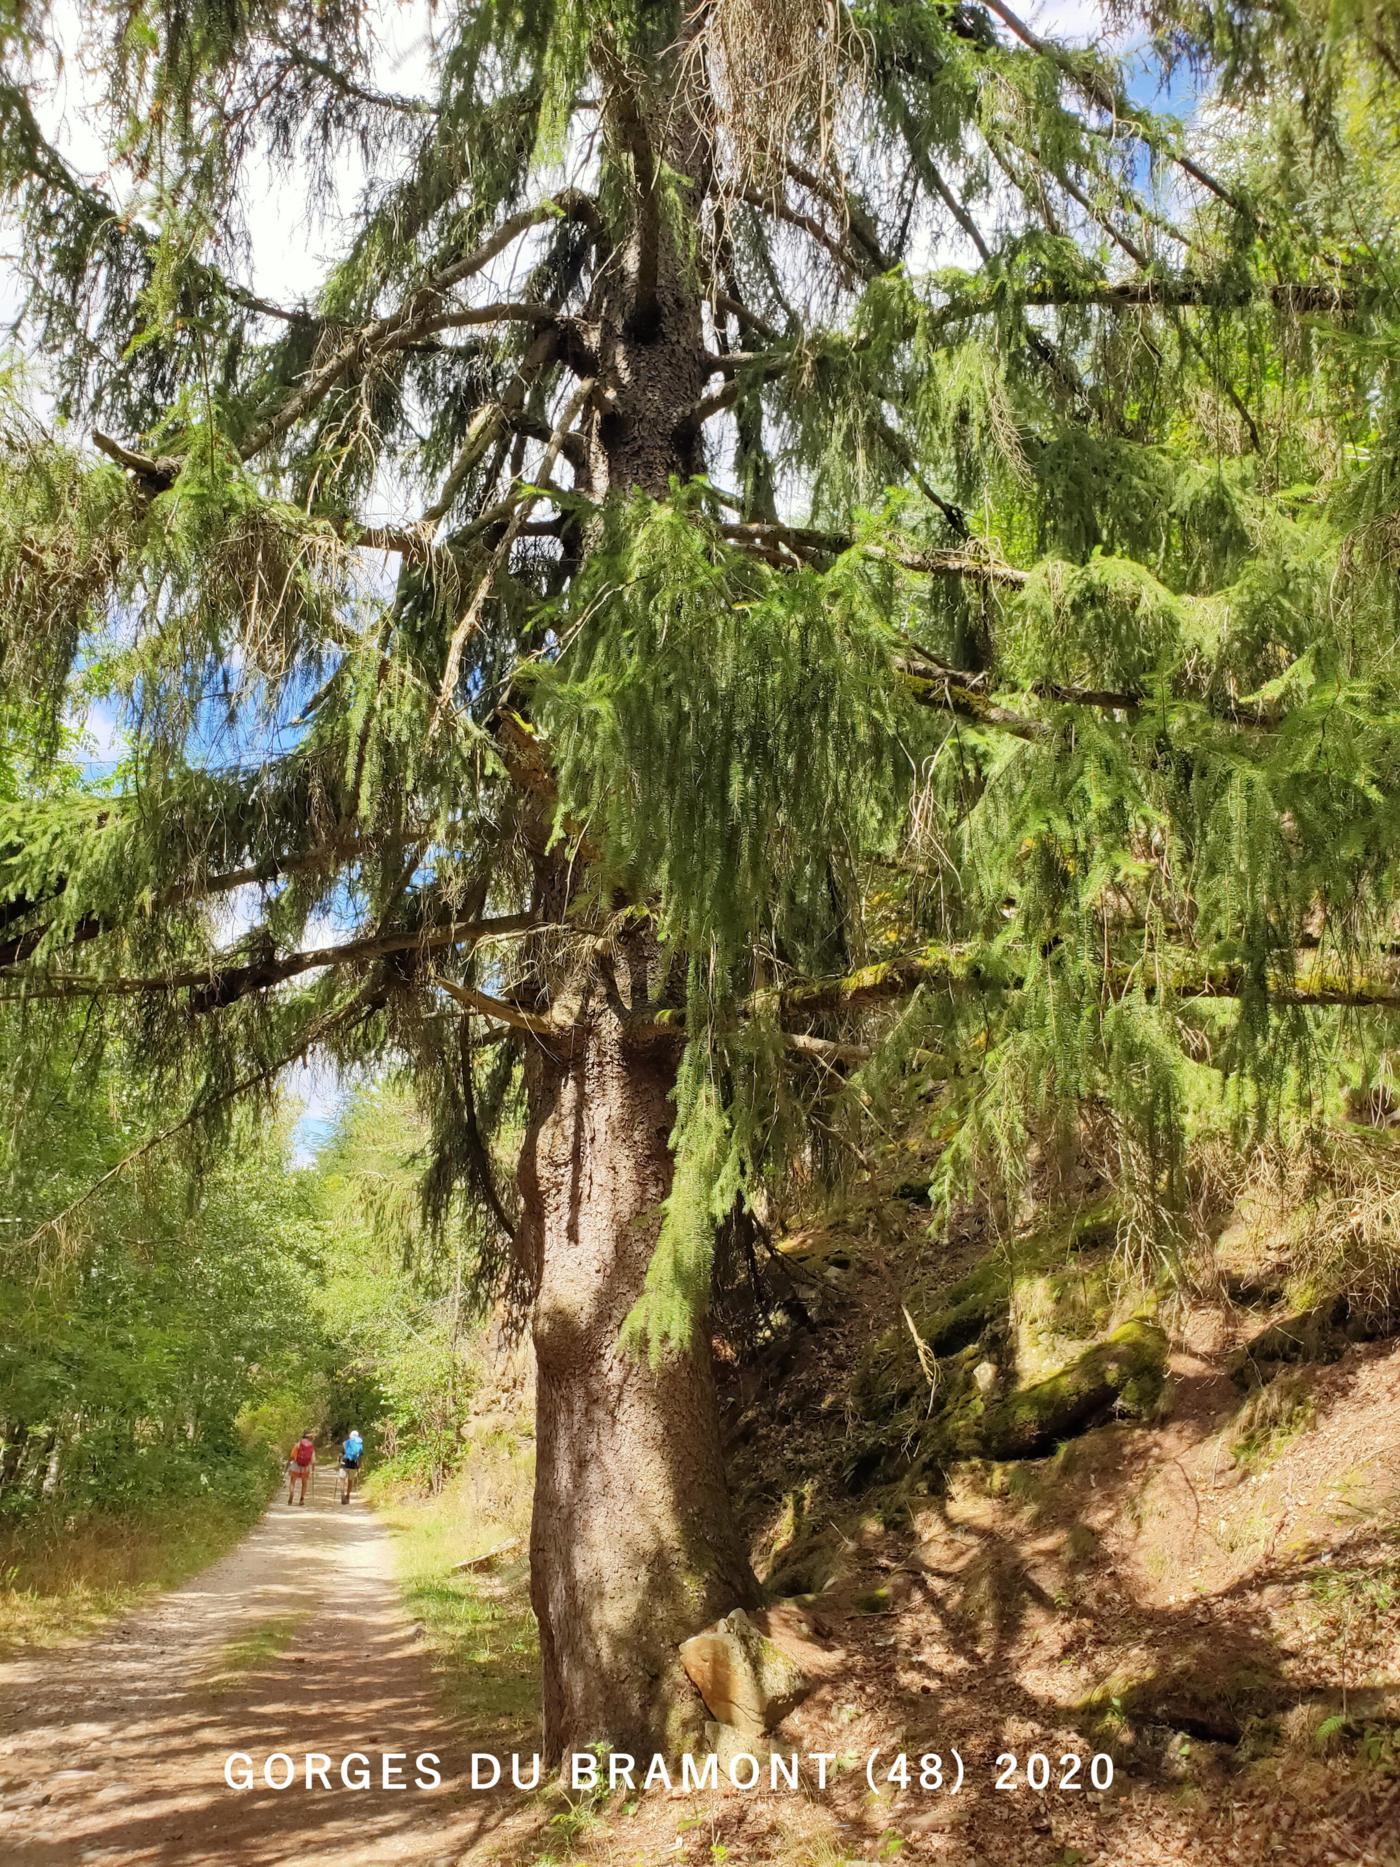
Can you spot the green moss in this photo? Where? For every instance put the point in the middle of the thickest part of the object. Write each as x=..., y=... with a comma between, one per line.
x=1123, y=1372
x=979, y=1305
x=1055, y=1308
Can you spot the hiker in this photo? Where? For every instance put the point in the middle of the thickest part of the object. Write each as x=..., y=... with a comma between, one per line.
x=300, y=1466
x=350, y=1455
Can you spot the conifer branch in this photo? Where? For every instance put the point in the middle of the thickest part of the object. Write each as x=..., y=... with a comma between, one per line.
x=506, y=311
x=645, y=1029
x=533, y=1023
x=851, y=265
x=951, y=693
x=362, y=1004
x=1094, y=84
x=807, y=541
x=413, y=319
x=486, y=425
x=842, y=202
x=351, y=87
x=21, y=946
x=471, y=616
x=154, y=473
x=55, y=172
x=410, y=541
x=736, y=308
x=960, y=970
x=212, y=987
x=1184, y=292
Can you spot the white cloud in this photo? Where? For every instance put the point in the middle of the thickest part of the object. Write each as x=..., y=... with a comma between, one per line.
x=1080, y=21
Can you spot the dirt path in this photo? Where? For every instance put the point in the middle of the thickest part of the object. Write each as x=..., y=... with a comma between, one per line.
x=113, y=1750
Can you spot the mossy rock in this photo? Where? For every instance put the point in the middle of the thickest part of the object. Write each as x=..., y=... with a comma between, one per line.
x=975, y=1307
x=745, y=1679
x=1056, y=1310
x=1123, y=1374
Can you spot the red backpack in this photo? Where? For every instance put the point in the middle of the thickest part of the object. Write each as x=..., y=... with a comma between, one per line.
x=305, y=1451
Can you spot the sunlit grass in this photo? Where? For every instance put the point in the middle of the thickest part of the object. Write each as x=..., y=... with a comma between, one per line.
x=61, y=1579
x=479, y=1626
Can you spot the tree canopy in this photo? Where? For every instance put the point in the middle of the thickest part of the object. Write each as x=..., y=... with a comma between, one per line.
x=838, y=537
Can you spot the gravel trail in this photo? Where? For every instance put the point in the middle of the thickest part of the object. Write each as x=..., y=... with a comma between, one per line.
x=113, y=1750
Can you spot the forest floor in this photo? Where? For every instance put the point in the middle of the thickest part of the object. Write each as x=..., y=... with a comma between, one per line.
x=112, y=1750
x=1217, y=1611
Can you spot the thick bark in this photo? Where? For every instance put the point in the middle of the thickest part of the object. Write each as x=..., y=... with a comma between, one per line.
x=632, y=1546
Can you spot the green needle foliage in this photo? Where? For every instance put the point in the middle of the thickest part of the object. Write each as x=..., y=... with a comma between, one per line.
x=875, y=508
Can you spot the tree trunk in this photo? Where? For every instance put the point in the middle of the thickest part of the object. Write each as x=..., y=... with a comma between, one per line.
x=632, y=1546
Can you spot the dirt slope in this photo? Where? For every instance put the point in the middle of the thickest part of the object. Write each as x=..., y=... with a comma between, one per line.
x=113, y=1751
x=1219, y=1612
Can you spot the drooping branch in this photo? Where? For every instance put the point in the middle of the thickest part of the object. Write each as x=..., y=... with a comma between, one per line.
x=851, y=265
x=212, y=986
x=736, y=308
x=534, y=1023
x=947, y=692
x=806, y=541
x=505, y=311
x=350, y=87
x=1092, y=82
x=361, y=1005
x=413, y=319
x=843, y=202
x=487, y=425
x=471, y=615
x=156, y=474
x=153, y=473
x=21, y=946
x=1182, y=292
x=963, y=971
x=52, y=169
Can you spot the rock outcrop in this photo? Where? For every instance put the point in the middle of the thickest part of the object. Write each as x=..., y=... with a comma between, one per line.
x=748, y=1682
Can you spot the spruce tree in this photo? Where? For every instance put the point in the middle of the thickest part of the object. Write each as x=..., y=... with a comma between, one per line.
x=795, y=543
